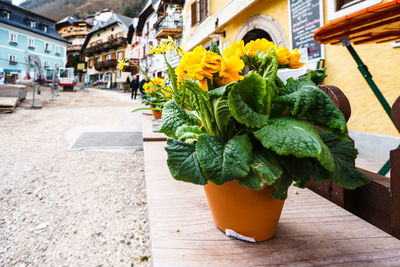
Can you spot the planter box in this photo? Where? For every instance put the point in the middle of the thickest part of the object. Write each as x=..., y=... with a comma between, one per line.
x=12, y=90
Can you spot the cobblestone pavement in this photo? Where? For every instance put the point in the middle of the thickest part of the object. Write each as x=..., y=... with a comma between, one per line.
x=60, y=207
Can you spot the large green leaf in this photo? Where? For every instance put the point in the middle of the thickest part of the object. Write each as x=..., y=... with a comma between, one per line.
x=174, y=116
x=223, y=117
x=183, y=163
x=265, y=169
x=345, y=173
x=316, y=76
x=288, y=136
x=222, y=162
x=188, y=132
x=311, y=102
x=246, y=99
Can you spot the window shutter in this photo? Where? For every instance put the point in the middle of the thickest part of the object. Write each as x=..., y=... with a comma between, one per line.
x=113, y=55
x=194, y=13
x=103, y=57
x=123, y=54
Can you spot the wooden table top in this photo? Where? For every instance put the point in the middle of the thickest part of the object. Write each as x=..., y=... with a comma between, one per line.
x=311, y=231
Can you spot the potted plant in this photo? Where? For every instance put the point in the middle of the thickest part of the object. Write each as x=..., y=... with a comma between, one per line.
x=156, y=94
x=248, y=138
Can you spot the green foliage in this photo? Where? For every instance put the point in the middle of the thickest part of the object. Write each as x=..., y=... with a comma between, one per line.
x=259, y=131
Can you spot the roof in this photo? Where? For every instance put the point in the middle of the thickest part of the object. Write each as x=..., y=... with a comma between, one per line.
x=19, y=15
x=377, y=24
x=146, y=12
x=121, y=20
x=132, y=29
x=70, y=21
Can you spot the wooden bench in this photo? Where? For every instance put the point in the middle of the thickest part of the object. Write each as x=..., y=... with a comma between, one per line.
x=312, y=230
x=377, y=202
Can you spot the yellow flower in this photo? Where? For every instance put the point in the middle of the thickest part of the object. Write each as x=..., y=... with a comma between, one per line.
x=236, y=49
x=203, y=84
x=283, y=55
x=294, y=59
x=160, y=82
x=211, y=63
x=190, y=65
x=122, y=64
x=230, y=69
x=170, y=39
x=259, y=45
x=147, y=87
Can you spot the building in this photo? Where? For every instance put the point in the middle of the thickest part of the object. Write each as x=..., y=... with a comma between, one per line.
x=75, y=31
x=226, y=21
x=103, y=46
x=24, y=31
x=158, y=20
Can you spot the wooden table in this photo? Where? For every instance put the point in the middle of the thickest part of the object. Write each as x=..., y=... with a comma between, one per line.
x=311, y=231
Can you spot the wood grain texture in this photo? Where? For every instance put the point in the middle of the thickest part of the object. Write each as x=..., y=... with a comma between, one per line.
x=312, y=230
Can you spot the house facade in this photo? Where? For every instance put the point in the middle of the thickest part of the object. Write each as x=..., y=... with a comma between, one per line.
x=157, y=21
x=75, y=31
x=23, y=31
x=103, y=46
x=226, y=21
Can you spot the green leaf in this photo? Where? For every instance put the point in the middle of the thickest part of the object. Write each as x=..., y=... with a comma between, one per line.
x=269, y=66
x=311, y=102
x=223, y=117
x=345, y=174
x=288, y=136
x=265, y=169
x=246, y=99
x=223, y=162
x=316, y=76
x=221, y=91
x=281, y=187
x=172, y=117
x=172, y=76
x=183, y=163
x=214, y=48
x=188, y=132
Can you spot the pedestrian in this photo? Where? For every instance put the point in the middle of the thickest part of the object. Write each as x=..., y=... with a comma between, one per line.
x=142, y=82
x=134, y=86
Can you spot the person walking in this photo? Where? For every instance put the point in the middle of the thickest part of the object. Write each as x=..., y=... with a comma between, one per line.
x=142, y=82
x=134, y=86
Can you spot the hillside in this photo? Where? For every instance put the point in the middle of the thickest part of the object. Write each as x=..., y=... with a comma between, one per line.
x=59, y=9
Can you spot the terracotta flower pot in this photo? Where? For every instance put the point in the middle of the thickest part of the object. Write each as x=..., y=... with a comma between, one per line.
x=252, y=214
x=156, y=113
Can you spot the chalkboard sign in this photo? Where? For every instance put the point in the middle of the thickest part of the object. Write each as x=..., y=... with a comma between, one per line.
x=306, y=17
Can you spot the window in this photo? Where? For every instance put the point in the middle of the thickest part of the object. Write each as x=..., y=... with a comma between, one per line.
x=45, y=28
x=56, y=66
x=46, y=64
x=108, y=56
x=58, y=50
x=5, y=14
x=203, y=12
x=120, y=55
x=47, y=47
x=12, y=38
x=30, y=23
x=12, y=59
x=119, y=73
x=194, y=13
x=112, y=29
x=119, y=34
x=31, y=42
x=341, y=8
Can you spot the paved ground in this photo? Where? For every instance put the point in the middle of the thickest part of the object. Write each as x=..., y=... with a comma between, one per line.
x=61, y=207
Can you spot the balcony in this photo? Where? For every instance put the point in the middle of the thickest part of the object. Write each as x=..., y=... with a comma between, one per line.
x=74, y=32
x=74, y=48
x=132, y=67
x=168, y=26
x=111, y=44
x=106, y=64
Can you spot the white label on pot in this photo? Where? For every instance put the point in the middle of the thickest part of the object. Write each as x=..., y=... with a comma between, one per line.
x=235, y=235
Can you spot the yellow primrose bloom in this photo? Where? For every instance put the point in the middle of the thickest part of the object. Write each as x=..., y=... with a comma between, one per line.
x=294, y=59
x=160, y=82
x=147, y=87
x=211, y=63
x=230, y=69
x=283, y=55
x=259, y=45
x=190, y=65
x=122, y=64
x=236, y=49
x=170, y=39
x=203, y=84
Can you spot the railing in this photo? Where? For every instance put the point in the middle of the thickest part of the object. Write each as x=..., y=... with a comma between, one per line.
x=111, y=44
x=106, y=64
x=168, y=25
x=74, y=47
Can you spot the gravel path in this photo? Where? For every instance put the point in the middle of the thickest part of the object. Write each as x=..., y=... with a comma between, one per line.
x=71, y=208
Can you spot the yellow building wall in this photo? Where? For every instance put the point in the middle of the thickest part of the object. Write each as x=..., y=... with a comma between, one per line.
x=382, y=61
